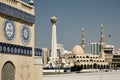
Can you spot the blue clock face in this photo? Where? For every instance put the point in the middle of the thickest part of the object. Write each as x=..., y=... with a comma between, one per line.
x=25, y=34
x=9, y=29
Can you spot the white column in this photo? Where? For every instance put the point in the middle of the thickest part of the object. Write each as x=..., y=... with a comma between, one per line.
x=54, y=39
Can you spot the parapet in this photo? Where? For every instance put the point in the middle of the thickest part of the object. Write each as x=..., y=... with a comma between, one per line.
x=18, y=9
x=19, y=4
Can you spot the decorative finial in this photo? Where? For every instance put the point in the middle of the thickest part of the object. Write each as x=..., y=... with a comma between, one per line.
x=53, y=19
x=31, y=2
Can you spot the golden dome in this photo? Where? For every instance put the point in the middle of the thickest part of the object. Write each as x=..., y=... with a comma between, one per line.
x=77, y=50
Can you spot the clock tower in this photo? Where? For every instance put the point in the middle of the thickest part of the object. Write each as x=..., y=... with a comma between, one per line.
x=18, y=59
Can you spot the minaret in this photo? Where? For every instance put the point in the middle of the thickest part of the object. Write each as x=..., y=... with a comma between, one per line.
x=54, y=40
x=83, y=39
x=102, y=54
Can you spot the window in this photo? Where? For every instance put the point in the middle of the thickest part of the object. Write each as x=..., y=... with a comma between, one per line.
x=87, y=56
x=77, y=60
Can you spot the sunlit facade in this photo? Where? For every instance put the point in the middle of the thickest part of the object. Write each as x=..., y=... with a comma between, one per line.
x=19, y=59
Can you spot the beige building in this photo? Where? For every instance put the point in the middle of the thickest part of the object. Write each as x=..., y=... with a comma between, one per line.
x=86, y=60
x=116, y=59
x=18, y=59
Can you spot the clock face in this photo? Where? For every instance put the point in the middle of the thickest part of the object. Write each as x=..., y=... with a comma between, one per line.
x=25, y=34
x=9, y=29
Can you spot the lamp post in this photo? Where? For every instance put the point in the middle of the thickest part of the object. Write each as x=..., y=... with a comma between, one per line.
x=110, y=53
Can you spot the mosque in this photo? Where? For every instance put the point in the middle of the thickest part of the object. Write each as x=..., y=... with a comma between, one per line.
x=19, y=59
x=86, y=60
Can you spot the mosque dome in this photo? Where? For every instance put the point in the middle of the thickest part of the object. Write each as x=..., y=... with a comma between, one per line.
x=77, y=50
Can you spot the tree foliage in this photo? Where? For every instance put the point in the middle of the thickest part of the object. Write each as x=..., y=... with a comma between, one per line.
x=118, y=65
x=76, y=68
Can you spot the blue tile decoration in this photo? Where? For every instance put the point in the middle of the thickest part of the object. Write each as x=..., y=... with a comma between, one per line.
x=6, y=48
x=38, y=52
x=14, y=12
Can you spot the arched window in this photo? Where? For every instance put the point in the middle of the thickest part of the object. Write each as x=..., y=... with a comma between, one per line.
x=95, y=66
x=87, y=56
x=88, y=66
x=85, y=66
x=8, y=71
x=104, y=67
x=74, y=57
x=91, y=60
x=82, y=66
x=91, y=66
x=101, y=66
x=98, y=66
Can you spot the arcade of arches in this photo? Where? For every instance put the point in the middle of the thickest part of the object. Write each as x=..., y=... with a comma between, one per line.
x=94, y=66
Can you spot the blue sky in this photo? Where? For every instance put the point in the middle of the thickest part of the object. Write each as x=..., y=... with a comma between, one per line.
x=72, y=15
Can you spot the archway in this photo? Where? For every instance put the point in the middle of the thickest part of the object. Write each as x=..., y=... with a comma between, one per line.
x=85, y=66
x=91, y=66
x=95, y=66
x=8, y=71
x=104, y=67
x=82, y=66
x=99, y=67
x=88, y=66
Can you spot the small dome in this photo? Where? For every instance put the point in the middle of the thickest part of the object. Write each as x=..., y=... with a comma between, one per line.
x=77, y=50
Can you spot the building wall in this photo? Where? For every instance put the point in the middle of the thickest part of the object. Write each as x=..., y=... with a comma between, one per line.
x=23, y=66
x=87, y=61
x=95, y=48
x=45, y=52
x=23, y=62
x=38, y=68
x=115, y=60
x=109, y=49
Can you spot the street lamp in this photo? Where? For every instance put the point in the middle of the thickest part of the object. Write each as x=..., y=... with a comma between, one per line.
x=110, y=53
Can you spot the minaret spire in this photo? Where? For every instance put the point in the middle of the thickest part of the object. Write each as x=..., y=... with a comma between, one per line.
x=102, y=54
x=83, y=39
